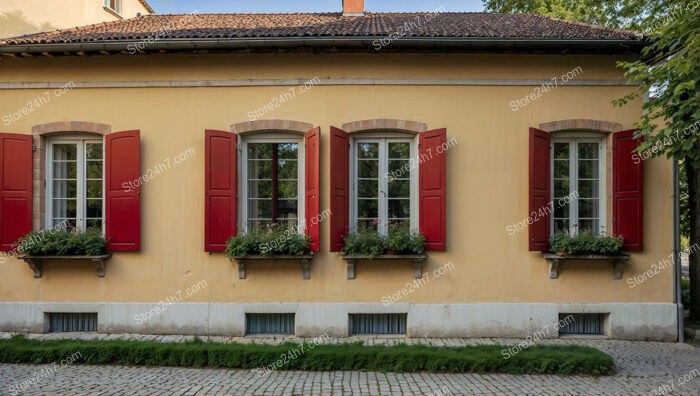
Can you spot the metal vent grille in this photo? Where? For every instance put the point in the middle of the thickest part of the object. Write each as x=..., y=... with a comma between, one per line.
x=269, y=323
x=581, y=323
x=72, y=322
x=377, y=324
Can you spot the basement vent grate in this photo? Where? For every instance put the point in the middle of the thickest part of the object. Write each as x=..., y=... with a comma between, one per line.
x=258, y=323
x=377, y=324
x=581, y=324
x=72, y=322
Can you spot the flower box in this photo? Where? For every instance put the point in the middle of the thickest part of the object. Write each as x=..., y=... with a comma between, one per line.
x=556, y=260
x=304, y=259
x=36, y=263
x=417, y=259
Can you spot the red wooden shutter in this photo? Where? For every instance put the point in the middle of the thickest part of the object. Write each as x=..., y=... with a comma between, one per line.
x=628, y=191
x=312, y=210
x=432, y=187
x=15, y=188
x=123, y=191
x=340, y=187
x=540, y=195
x=220, y=180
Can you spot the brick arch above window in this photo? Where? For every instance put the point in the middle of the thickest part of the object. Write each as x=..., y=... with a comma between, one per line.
x=384, y=124
x=72, y=127
x=581, y=124
x=40, y=133
x=271, y=125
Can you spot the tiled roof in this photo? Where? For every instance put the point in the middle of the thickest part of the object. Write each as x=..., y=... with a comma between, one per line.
x=329, y=25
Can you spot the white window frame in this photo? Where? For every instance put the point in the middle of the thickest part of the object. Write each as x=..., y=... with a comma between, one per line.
x=118, y=3
x=80, y=142
x=270, y=137
x=383, y=212
x=580, y=137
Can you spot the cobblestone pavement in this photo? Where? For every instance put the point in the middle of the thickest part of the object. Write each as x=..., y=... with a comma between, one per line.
x=643, y=368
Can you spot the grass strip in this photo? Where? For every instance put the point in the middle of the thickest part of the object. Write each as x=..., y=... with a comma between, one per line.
x=540, y=359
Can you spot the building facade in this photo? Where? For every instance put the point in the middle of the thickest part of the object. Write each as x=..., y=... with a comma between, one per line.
x=18, y=17
x=464, y=132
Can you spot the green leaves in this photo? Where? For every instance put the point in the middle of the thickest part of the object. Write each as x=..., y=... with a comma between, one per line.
x=274, y=240
x=533, y=359
x=62, y=243
x=585, y=243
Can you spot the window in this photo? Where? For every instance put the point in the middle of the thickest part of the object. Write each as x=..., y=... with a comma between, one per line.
x=115, y=5
x=75, y=183
x=378, y=323
x=578, y=190
x=272, y=184
x=384, y=183
x=269, y=323
x=582, y=323
x=72, y=322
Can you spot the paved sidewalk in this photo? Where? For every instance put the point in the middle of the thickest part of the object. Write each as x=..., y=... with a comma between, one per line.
x=642, y=369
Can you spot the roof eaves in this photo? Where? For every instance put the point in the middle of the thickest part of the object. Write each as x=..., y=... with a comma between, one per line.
x=434, y=43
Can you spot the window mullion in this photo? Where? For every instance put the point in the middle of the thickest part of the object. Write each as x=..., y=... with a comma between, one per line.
x=383, y=186
x=275, y=182
x=80, y=191
x=573, y=186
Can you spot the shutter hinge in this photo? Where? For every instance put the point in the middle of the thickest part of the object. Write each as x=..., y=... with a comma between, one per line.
x=34, y=148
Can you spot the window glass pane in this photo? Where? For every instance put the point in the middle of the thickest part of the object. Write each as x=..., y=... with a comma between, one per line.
x=94, y=224
x=288, y=151
x=62, y=222
x=368, y=168
x=399, y=150
x=588, y=225
x=65, y=189
x=287, y=169
x=65, y=208
x=588, y=188
x=588, y=151
x=587, y=208
x=368, y=188
x=260, y=189
x=260, y=209
x=368, y=150
x=257, y=225
x=561, y=209
x=367, y=223
x=287, y=189
x=94, y=208
x=65, y=170
x=561, y=189
x=400, y=168
x=588, y=169
x=93, y=151
x=561, y=151
x=65, y=152
x=260, y=169
x=399, y=208
x=259, y=151
x=94, y=189
x=367, y=209
x=399, y=189
x=94, y=169
x=561, y=225
x=287, y=208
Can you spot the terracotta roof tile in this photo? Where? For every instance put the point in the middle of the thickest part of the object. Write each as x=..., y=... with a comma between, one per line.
x=230, y=26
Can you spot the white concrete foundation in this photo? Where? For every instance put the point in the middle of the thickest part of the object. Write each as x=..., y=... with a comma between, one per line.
x=628, y=321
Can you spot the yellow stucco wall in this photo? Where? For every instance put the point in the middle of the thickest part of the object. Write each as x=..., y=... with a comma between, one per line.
x=487, y=175
x=30, y=16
